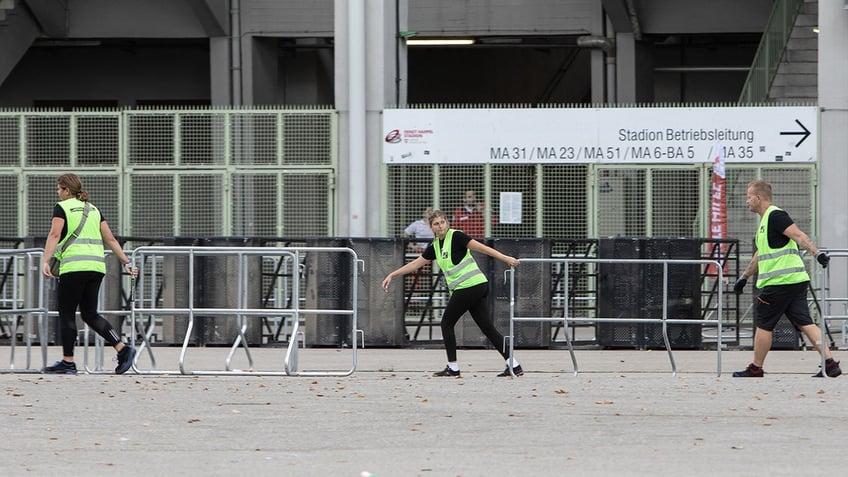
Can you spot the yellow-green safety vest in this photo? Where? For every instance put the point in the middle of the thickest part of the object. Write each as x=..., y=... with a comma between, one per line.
x=465, y=274
x=85, y=253
x=777, y=266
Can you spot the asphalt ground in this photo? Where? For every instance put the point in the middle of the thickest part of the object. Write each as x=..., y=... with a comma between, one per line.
x=623, y=414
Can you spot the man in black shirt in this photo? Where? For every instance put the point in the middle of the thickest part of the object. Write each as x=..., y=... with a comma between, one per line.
x=783, y=279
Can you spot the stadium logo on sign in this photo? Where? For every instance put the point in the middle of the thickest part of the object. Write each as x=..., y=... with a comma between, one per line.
x=393, y=137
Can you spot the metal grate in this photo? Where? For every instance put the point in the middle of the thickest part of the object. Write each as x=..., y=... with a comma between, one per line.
x=41, y=196
x=676, y=194
x=306, y=139
x=201, y=138
x=151, y=139
x=255, y=205
x=160, y=173
x=9, y=215
x=621, y=202
x=792, y=192
x=514, y=178
x=565, y=201
x=410, y=191
x=741, y=222
x=153, y=205
x=9, y=141
x=306, y=205
x=254, y=138
x=585, y=200
x=103, y=192
x=455, y=181
x=98, y=141
x=200, y=205
x=48, y=141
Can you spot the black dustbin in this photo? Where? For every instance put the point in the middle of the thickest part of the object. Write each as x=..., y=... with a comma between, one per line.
x=328, y=282
x=380, y=314
x=215, y=286
x=634, y=290
x=532, y=290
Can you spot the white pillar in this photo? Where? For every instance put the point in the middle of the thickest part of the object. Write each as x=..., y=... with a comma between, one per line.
x=356, y=87
x=833, y=160
x=366, y=81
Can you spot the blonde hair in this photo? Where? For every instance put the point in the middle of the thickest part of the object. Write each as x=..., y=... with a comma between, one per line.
x=761, y=188
x=436, y=214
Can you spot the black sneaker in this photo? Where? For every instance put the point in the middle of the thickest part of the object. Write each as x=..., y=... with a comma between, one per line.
x=61, y=367
x=832, y=368
x=125, y=359
x=517, y=371
x=749, y=372
x=447, y=372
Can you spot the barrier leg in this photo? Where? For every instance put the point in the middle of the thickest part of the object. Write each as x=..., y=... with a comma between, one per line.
x=570, y=346
x=241, y=338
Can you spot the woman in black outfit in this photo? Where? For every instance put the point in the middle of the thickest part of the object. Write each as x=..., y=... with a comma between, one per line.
x=83, y=266
x=468, y=286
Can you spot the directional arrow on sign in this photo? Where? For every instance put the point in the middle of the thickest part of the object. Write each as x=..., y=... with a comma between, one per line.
x=805, y=133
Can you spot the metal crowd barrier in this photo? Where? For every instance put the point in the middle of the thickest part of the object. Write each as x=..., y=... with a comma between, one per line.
x=94, y=365
x=664, y=320
x=107, y=308
x=825, y=311
x=146, y=305
x=22, y=295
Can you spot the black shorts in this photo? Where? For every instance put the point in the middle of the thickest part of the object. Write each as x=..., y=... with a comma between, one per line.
x=776, y=300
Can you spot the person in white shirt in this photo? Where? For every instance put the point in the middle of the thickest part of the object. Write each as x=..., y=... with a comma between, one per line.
x=420, y=229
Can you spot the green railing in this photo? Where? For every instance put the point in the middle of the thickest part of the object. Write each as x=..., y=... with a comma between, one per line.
x=776, y=35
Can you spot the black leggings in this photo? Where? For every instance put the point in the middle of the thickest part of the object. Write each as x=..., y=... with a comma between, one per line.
x=472, y=300
x=81, y=289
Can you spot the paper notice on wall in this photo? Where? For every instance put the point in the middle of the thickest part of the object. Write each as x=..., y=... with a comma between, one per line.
x=510, y=208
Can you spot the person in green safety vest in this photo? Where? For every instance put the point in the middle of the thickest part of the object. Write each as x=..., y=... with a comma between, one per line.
x=468, y=286
x=783, y=279
x=83, y=266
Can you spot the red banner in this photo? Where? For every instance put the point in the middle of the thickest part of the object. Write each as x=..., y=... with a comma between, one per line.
x=718, y=210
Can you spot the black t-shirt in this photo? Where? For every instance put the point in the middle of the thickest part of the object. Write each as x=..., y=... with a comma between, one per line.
x=58, y=211
x=778, y=221
x=459, y=245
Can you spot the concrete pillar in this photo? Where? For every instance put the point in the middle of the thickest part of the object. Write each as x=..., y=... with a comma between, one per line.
x=625, y=69
x=219, y=71
x=833, y=160
x=359, y=193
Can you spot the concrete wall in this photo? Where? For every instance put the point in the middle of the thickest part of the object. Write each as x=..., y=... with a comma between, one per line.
x=287, y=56
x=125, y=74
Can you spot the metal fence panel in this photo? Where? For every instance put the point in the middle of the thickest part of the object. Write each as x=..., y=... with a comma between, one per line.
x=566, y=205
x=255, y=204
x=307, y=204
x=48, y=140
x=153, y=202
x=9, y=196
x=622, y=202
x=98, y=140
x=254, y=139
x=307, y=139
x=200, y=210
x=272, y=173
x=10, y=138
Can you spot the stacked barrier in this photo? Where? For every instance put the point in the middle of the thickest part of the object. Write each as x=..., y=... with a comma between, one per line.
x=24, y=297
x=826, y=313
x=663, y=320
x=148, y=303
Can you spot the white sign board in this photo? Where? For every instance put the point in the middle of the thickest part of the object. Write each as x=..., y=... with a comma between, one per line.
x=510, y=207
x=607, y=135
